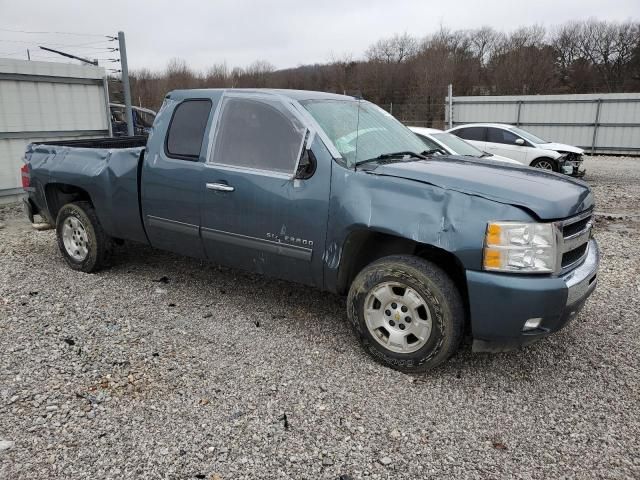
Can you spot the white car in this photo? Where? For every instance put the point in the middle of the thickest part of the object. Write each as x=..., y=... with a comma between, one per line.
x=451, y=145
x=525, y=147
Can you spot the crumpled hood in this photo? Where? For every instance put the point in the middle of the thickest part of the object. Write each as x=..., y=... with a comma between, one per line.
x=560, y=147
x=548, y=195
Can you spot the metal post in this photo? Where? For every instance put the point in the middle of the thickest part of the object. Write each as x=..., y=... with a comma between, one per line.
x=519, y=109
x=105, y=87
x=391, y=109
x=125, y=83
x=450, y=99
x=595, y=126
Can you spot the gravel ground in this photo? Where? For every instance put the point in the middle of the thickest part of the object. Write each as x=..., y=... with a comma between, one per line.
x=218, y=374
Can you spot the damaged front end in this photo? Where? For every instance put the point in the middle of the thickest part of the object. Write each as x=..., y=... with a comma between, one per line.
x=571, y=163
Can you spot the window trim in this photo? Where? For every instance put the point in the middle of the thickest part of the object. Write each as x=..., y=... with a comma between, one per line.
x=259, y=96
x=191, y=158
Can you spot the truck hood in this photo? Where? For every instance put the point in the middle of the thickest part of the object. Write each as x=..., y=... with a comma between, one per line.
x=560, y=147
x=548, y=195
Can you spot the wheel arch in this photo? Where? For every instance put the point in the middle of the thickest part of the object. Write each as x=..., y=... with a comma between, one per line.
x=59, y=194
x=364, y=246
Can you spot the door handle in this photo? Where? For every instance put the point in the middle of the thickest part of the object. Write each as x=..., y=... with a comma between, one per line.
x=220, y=187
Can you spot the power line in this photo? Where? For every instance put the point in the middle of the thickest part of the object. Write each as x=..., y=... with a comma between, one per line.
x=88, y=45
x=55, y=33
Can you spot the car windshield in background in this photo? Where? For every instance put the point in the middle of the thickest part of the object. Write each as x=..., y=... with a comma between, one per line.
x=361, y=130
x=528, y=136
x=457, y=144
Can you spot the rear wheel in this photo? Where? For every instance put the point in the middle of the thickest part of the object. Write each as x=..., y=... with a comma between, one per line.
x=83, y=243
x=545, y=164
x=407, y=313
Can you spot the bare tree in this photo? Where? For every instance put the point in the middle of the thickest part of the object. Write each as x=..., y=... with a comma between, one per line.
x=412, y=74
x=392, y=50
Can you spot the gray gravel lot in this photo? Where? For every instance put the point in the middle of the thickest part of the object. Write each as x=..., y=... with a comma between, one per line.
x=117, y=375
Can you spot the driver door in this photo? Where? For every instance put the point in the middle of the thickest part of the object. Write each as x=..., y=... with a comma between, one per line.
x=255, y=215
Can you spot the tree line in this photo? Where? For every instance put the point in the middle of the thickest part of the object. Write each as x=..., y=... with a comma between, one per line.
x=409, y=75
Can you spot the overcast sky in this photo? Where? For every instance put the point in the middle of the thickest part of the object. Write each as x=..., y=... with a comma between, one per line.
x=285, y=33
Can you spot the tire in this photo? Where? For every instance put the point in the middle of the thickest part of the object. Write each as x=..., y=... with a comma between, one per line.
x=442, y=306
x=84, y=244
x=544, y=163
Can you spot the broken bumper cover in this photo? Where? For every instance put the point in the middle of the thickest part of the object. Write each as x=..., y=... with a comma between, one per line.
x=501, y=304
x=576, y=170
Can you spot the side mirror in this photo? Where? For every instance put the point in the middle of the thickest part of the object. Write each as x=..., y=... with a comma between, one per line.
x=306, y=166
x=519, y=141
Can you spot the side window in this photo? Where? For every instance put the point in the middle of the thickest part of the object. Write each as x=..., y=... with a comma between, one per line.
x=498, y=135
x=258, y=133
x=471, y=133
x=186, y=130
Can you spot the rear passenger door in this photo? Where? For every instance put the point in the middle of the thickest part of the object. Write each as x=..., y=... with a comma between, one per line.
x=171, y=184
x=255, y=215
x=501, y=141
x=474, y=135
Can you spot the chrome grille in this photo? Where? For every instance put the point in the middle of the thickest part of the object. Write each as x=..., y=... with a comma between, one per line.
x=573, y=238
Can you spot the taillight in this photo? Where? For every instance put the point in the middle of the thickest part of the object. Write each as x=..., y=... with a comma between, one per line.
x=26, y=176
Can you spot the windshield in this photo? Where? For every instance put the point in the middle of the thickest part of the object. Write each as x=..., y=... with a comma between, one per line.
x=528, y=136
x=361, y=130
x=458, y=145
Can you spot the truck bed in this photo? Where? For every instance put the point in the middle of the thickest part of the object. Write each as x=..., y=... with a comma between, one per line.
x=106, y=170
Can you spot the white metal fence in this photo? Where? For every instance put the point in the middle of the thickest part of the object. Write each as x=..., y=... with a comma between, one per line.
x=46, y=101
x=598, y=123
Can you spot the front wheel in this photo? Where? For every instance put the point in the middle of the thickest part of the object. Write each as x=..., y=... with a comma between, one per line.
x=545, y=164
x=407, y=313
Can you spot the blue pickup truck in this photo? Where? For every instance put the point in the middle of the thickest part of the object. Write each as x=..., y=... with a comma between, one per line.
x=332, y=192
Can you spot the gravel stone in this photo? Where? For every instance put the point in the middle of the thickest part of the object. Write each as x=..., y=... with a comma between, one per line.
x=6, y=445
x=129, y=382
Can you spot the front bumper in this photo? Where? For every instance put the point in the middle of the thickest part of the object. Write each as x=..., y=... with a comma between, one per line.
x=500, y=304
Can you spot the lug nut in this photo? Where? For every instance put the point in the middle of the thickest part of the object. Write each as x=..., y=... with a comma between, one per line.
x=387, y=313
x=393, y=305
x=392, y=323
x=407, y=319
x=401, y=326
x=404, y=309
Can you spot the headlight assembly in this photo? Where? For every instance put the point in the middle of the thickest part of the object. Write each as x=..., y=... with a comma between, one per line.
x=520, y=247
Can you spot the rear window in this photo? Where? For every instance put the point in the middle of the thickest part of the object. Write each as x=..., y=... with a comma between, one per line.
x=186, y=131
x=471, y=133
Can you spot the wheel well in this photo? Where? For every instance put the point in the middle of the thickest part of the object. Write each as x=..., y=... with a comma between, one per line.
x=59, y=194
x=364, y=247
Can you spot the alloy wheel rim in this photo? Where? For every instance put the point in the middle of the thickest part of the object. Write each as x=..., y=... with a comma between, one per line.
x=75, y=239
x=545, y=165
x=397, y=317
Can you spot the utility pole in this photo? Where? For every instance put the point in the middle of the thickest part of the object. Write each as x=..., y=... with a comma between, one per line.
x=450, y=98
x=125, y=83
